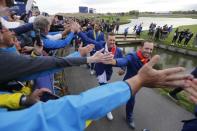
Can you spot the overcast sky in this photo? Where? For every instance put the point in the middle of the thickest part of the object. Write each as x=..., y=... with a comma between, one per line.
x=104, y=6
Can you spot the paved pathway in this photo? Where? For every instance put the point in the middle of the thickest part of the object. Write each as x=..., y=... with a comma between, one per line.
x=152, y=111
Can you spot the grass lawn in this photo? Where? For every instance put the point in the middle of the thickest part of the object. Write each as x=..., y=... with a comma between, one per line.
x=194, y=16
x=184, y=101
x=167, y=41
x=123, y=19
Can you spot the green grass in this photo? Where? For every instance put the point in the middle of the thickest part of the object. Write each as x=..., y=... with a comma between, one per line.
x=183, y=99
x=111, y=18
x=123, y=19
x=183, y=96
x=194, y=16
x=167, y=41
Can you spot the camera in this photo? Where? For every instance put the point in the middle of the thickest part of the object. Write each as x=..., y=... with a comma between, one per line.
x=37, y=37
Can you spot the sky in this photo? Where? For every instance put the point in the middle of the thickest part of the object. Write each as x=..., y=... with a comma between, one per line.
x=105, y=6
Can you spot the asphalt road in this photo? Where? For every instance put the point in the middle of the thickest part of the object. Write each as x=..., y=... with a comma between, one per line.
x=152, y=111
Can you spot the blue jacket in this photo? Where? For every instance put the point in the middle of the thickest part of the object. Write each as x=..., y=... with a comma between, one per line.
x=68, y=113
x=190, y=125
x=56, y=44
x=194, y=72
x=98, y=37
x=99, y=67
x=98, y=44
x=95, y=36
x=132, y=62
x=23, y=29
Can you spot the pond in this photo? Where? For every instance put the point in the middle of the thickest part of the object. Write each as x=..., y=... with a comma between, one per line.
x=160, y=21
x=168, y=58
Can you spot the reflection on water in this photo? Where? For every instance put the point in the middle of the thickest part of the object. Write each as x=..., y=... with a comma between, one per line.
x=159, y=21
x=168, y=58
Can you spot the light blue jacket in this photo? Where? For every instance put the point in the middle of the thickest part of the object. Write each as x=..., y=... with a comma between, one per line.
x=68, y=113
x=56, y=44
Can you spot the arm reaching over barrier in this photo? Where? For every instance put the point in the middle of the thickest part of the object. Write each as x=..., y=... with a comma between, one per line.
x=71, y=112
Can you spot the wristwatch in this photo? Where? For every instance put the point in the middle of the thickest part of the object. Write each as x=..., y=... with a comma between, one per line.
x=23, y=100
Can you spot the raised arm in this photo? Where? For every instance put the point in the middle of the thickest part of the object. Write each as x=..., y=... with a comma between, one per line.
x=23, y=28
x=60, y=112
x=86, y=39
x=119, y=62
x=56, y=44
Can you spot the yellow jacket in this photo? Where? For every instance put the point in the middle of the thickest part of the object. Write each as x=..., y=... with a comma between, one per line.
x=12, y=100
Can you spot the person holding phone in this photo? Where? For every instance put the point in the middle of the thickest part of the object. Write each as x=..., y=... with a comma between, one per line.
x=71, y=112
x=29, y=67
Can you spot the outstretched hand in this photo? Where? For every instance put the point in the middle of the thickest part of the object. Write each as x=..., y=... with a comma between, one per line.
x=165, y=77
x=147, y=76
x=100, y=57
x=85, y=50
x=191, y=88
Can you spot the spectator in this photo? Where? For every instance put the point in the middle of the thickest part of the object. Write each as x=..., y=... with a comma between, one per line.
x=188, y=37
x=23, y=91
x=157, y=33
x=35, y=13
x=5, y=19
x=126, y=33
x=195, y=41
x=170, y=29
x=43, y=24
x=58, y=114
x=134, y=28
x=176, y=34
x=151, y=30
x=97, y=35
x=139, y=30
x=117, y=27
x=182, y=36
x=33, y=65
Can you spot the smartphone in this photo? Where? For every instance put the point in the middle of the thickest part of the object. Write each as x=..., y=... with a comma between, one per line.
x=1, y=26
x=48, y=96
x=60, y=17
x=37, y=37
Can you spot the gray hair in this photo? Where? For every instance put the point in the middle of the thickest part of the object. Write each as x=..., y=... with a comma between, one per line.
x=42, y=23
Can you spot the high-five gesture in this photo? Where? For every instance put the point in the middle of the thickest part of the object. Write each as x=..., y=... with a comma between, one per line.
x=147, y=76
x=100, y=57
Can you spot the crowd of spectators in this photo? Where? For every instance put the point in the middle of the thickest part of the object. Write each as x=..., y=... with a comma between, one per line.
x=28, y=46
x=180, y=37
